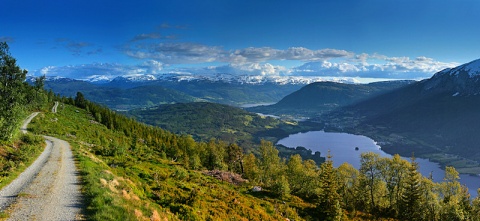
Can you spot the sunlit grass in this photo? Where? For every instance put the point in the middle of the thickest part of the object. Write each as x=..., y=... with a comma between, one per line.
x=122, y=184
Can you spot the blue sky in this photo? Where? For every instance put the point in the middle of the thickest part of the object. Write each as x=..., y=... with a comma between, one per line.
x=408, y=39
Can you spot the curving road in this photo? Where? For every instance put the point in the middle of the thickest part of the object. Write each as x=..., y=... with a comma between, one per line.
x=54, y=108
x=47, y=190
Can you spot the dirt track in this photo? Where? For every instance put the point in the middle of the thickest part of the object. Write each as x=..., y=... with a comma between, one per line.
x=47, y=190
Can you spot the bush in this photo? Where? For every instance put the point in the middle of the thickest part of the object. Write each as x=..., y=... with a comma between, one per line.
x=31, y=139
x=180, y=173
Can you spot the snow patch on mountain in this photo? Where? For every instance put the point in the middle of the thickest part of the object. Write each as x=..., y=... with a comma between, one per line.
x=219, y=77
x=472, y=68
x=98, y=79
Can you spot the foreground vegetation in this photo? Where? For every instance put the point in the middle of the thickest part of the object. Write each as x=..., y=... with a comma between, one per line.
x=125, y=176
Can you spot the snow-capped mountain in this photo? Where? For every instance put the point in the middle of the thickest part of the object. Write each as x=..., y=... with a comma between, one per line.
x=219, y=77
x=460, y=81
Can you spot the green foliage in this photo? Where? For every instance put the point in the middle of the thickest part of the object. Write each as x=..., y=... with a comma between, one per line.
x=12, y=92
x=281, y=188
x=410, y=202
x=80, y=100
x=153, y=171
x=270, y=164
x=230, y=124
x=16, y=96
x=328, y=206
x=14, y=159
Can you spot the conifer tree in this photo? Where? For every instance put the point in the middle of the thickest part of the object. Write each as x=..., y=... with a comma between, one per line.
x=328, y=206
x=410, y=207
x=80, y=100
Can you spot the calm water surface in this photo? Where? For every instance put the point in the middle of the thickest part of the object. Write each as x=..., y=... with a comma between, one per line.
x=342, y=148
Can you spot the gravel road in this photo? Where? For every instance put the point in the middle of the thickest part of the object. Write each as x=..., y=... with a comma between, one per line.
x=9, y=193
x=47, y=190
x=54, y=108
x=24, y=126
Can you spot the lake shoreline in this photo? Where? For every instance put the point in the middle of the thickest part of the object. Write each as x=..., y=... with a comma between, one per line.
x=408, y=147
x=342, y=147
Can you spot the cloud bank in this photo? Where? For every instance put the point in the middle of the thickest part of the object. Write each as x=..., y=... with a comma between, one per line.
x=351, y=67
x=159, y=54
x=181, y=53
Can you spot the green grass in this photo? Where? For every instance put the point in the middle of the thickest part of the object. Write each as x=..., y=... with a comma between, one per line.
x=124, y=184
x=16, y=156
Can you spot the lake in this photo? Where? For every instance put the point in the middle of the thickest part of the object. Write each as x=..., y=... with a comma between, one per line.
x=342, y=149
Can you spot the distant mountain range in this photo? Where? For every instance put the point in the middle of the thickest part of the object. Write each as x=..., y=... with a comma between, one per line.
x=135, y=91
x=218, y=77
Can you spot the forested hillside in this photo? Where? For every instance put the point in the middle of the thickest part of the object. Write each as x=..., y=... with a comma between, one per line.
x=205, y=121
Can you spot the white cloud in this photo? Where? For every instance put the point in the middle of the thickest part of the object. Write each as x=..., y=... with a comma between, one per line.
x=375, y=66
x=109, y=70
x=250, y=69
x=265, y=69
x=171, y=57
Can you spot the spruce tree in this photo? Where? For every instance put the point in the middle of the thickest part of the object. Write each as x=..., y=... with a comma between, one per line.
x=410, y=207
x=328, y=206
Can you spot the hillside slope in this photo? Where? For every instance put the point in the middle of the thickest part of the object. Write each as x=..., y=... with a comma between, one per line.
x=130, y=177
